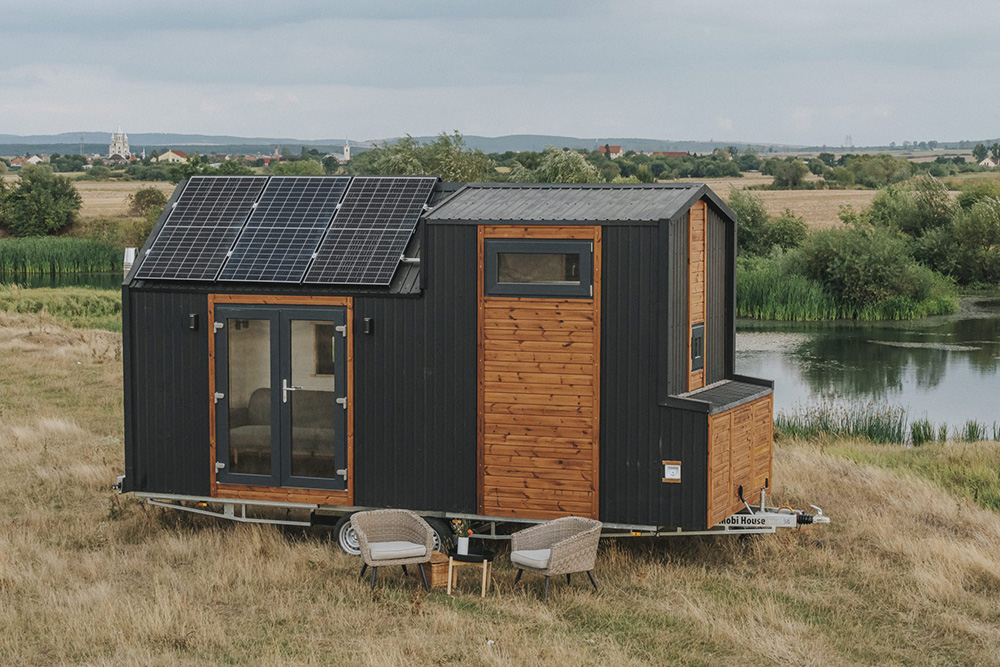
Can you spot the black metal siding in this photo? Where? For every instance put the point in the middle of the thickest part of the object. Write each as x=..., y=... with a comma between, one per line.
x=684, y=438
x=166, y=407
x=629, y=463
x=717, y=299
x=415, y=385
x=677, y=305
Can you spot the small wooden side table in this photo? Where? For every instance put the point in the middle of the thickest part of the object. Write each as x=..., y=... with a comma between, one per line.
x=483, y=560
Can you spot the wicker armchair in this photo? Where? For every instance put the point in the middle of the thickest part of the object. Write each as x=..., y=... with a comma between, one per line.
x=393, y=537
x=562, y=546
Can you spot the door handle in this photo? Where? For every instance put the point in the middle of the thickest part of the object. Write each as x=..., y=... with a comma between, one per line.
x=285, y=388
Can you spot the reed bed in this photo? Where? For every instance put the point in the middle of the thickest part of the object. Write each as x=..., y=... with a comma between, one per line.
x=54, y=255
x=869, y=421
x=767, y=290
x=878, y=423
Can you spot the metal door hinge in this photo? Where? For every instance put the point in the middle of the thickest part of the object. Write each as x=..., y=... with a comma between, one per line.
x=218, y=325
x=219, y=396
x=342, y=472
x=342, y=329
x=342, y=402
x=219, y=466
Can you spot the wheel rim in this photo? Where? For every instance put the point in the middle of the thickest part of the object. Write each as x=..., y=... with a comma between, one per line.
x=348, y=539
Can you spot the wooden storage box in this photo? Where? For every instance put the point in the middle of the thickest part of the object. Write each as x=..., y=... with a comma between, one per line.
x=438, y=576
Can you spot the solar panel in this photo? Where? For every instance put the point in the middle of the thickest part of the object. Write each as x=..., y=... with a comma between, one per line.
x=370, y=231
x=201, y=228
x=284, y=229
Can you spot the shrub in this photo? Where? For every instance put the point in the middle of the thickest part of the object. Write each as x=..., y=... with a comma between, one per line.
x=914, y=207
x=974, y=192
x=786, y=231
x=874, y=276
x=145, y=200
x=41, y=203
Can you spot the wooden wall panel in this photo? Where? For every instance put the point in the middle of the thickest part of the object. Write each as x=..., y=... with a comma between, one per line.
x=697, y=292
x=739, y=454
x=539, y=392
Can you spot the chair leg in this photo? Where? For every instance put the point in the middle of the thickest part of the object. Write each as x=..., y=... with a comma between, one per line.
x=518, y=577
x=546, y=596
x=372, y=586
x=567, y=578
x=423, y=575
x=594, y=583
x=364, y=566
x=405, y=573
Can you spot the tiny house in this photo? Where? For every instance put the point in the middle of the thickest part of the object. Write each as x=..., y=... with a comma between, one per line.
x=503, y=352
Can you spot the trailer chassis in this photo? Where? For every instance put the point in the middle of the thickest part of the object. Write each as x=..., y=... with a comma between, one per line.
x=753, y=520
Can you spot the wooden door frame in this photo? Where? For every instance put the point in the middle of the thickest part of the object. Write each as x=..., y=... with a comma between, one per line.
x=539, y=231
x=270, y=493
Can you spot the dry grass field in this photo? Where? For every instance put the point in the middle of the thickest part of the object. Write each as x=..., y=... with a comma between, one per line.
x=819, y=208
x=907, y=573
x=109, y=198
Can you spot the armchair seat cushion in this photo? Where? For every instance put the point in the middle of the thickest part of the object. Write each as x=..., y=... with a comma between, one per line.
x=537, y=559
x=394, y=550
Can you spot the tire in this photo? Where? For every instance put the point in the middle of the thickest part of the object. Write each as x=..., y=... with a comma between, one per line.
x=346, y=539
x=443, y=541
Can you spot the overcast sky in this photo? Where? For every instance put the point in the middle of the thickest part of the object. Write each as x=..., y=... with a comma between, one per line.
x=803, y=72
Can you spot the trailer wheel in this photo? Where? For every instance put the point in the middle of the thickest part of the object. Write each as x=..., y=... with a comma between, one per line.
x=346, y=538
x=442, y=533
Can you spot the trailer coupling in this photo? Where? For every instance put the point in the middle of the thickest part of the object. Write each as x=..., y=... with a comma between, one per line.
x=774, y=517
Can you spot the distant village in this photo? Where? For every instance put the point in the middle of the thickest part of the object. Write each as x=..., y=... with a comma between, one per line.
x=120, y=154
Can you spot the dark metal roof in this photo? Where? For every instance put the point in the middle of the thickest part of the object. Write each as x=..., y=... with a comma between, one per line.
x=570, y=203
x=727, y=394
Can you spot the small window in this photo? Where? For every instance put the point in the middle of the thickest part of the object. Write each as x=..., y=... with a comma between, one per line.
x=697, y=347
x=530, y=267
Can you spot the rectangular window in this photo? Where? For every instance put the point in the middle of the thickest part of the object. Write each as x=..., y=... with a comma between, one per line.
x=536, y=267
x=697, y=347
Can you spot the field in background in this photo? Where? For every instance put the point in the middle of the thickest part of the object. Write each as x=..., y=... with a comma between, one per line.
x=908, y=572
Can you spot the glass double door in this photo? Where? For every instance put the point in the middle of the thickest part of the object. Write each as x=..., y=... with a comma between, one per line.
x=281, y=396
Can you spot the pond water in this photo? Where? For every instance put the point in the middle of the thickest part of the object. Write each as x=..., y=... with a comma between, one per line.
x=946, y=369
x=111, y=280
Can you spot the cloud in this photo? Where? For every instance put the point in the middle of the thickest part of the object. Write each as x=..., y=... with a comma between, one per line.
x=781, y=71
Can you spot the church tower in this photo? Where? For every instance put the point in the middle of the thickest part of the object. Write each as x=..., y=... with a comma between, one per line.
x=119, y=145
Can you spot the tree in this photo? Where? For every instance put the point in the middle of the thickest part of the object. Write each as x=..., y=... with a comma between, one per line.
x=331, y=165
x=558, y=166
x=816, y=166
x=298, y=168
x=995, y=152
x=447, y=157
x=145, y=200
x=40, y=203
x=789, y=173
x=979, y=152
x=830, y=160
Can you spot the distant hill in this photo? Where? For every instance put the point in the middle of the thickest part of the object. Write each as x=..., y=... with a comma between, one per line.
x=66, y=142
x=97, y=142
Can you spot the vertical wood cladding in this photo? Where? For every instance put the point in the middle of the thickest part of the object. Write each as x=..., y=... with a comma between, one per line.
x=540, y=396
x=697, y=235
x=739, y=455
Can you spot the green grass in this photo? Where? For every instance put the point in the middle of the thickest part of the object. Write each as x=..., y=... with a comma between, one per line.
x=968, y=470
x=49, y=254
x=78, y=307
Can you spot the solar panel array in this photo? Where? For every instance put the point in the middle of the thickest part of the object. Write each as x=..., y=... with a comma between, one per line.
x=288, y=229
x=284, y=229
x=370, y=231
x=201, y=228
